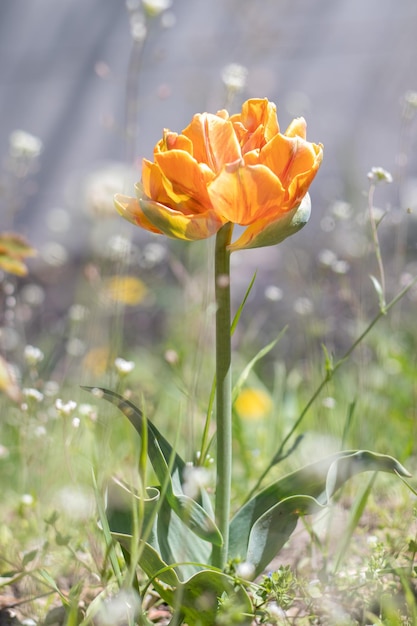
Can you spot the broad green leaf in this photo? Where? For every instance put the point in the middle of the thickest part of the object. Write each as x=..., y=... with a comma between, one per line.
x=272, y=529
x=120, y=500
x=319, y=480
x=197, y=600
x=167, y=535
x=197, y=516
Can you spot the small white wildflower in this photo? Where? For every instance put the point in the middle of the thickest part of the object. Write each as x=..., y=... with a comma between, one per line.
x=51, y=388
x=119, y=247
x=155, y=7
x=121, y=608
x=40, y=432
x=75, y=422
x=33, y=295
x=137, y=27
x=411, y=98
x=245, y=570
x=88, y=411
x=32, y=394
x=123, y=367
x=234, y=76
x=275, y=611
x=329, y=402
x=33, y=355
x=303, y=306
x=195, y=479
x=54, y=254
x=171, y=357
x=372, y=540
x=27, y=499
x=4, y=452
x=74, y=502
x=379, y=175
x=75, y=347
x=153, y=254
x=65, y=409
x=340, y=267
x=23, y=144
x=273, y=293
x=78, y=312
x=327, y=257
x=342, y=210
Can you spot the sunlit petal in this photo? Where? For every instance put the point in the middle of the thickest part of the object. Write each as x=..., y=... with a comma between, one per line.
x=242, y=194
x=184, y=180
x=214, y=140
x=130, y=209
x=179, y=226
x=265, y=232
x=297, y=128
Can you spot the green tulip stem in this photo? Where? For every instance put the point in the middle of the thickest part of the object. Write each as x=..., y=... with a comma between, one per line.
x=223, y=392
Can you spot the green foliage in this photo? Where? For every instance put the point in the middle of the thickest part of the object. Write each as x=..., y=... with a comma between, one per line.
x=175, y=548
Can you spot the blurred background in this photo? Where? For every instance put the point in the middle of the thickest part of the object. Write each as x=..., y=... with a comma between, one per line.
x=69, y=71
x=92, y=85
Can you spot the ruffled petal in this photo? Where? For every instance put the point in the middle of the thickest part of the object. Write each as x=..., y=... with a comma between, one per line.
x=288, y=157
x=152, y=183
x=265, y=232
x=179, y=226
x=297, y=128
x=256, y=124
x=184, y=181
x=242, y=194
x=214, y=140
x=130, y=209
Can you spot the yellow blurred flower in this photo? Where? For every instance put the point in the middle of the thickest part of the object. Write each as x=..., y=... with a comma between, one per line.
x=222, y=168
x=98, y=360
x=13, y=249
x=8, y=382
x=253, y=404
x=127, y=290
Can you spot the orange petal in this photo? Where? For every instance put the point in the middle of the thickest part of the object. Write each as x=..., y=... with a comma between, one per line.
x=265, y=232
x=242, y=194
x=130, y=209
x=152, y=183
x=214, y=140
x=256, y=113
x=179, y=226
x=184, y=180
x=297, y=128
x=173, y=141
x=289, y=156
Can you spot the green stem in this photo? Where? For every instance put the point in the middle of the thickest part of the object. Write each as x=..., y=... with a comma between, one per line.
x=223, y=392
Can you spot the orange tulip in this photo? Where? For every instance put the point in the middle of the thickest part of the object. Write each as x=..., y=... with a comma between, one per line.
x=237, y=169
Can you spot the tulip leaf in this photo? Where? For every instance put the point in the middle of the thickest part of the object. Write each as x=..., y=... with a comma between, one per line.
x=197, y=600
x=253, y=524
x=197, y=516
x=272, y=529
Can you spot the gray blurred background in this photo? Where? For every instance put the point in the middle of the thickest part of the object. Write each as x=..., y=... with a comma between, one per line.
x=70, y=70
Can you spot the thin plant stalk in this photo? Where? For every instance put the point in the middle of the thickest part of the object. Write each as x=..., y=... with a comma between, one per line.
x=223, y=392
x=330, y=371
x=375, y=240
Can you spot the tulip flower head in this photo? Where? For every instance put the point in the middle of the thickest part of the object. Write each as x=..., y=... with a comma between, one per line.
x=239, y=169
